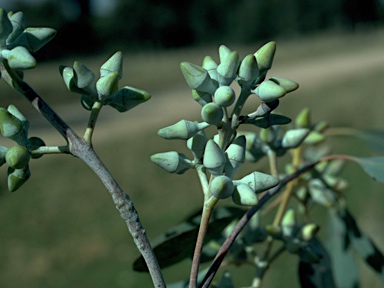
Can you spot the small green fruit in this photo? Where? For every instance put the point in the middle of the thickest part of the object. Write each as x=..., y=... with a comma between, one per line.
x=17, y=157
x=221, y=187
x=212, y=114
x=224, y=96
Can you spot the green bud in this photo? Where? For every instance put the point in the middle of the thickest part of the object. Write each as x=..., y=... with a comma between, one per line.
x=214, y=159
x=264, y=56
x=244, y=195
x=224, y=51
x=197, y=144
x=258, y=181
x=17, y=177
x=10, y=126
x=227, y=69
x=83, y=75
x=221, y=187
x=19, y=58
x=293, y=138
x=321, y=126
x=288, y=222
x=34, y=38
x=183, y=129
x=127, y=98
x=33, y=144
x=210, y=65
x=248, y=70
x=320, y=193
x=3, y=152
x=303, y=119
x=236, y=155
x=308, y=231
x=172, y=162
x=212, y=114
x=201, y=97
x=288, y=85
x=268, y=135
x=197, y=78
x=107, y=85
x=17, y=20
x=5, y=26
x=224, y=96
x=113, y=64
x=17, y=157
x=314, y=138
x=269, y=91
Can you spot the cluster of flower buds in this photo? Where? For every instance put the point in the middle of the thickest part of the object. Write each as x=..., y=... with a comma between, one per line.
x=14, y=126
x=80, y=79
x=17, y=42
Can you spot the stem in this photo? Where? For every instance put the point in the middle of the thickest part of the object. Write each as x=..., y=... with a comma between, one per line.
x=96, y=108
x=82, y=149
x=51, y=150
x=244, y=220
x=244, y=94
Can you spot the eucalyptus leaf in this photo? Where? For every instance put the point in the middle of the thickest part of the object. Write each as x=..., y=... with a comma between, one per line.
x=373, y=166
x=179, y=242
x=268, y=120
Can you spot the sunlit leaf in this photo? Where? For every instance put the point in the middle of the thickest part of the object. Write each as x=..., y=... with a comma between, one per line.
x=179, y=242
x=373, y=166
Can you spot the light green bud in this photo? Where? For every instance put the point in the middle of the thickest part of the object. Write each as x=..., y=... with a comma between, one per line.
x=221, y=187
x=35, y=143
x=5, y=26
x=201, y=97
x=172, y=162
x=197, y=144
x=210, y=65
x=212, y=113
x=227, y=69
x=244, y=195
x=308, y=231
x=113, y=64
x=303, y=119
x=214, y=159
x=224, y=51
x=127, y=98
x=268, y=135
x=236, y=155
x=17, y=20
x=314, y=138
x=183, y=129
x=17, y=177
x=320, y=193
x=288, y=222
x=10, y=126
x=17, y=157
x=248, y=70
x=107, y=85
x=258, y=181
x=288, y=85
x=19, y=58
x=293, y=138
x=224, y=96
x=34, y=38
x=3, y=152
x=197, y=78
x=269, y=91
x=83, y=75
x=264, y=56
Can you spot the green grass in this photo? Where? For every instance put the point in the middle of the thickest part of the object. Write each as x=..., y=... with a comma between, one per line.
x=62, y=230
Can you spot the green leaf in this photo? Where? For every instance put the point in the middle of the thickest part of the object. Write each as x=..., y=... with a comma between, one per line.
x=373, y=166
x=226, y=281
x=179, y=242
x=268, y=120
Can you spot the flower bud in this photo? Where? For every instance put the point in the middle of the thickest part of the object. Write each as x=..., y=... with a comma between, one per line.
x=197, y=144
x=248, y=70
x=172, y=162
x=212, y=114
x=34, y=38
x=3, y=152
x=288, y=85
x=224, y=51
x=244, y=195
x=221, y=187
x=314, y=138
x=320, y=193
x=264, y=56
x=268, y=135
x=17, y=157
x=214, y=159
x=269, y=91
x=183, y=129
x=236, y=155
x=33, y=144
x=17, y=177
x=258, y=181
x=202, y=98
x=107, y=85
x=10, y=126
x=308, y=231
x=224, y=96
x=197, y=78
x=227, y=69
x=288, y=222
x=5, y=26
x=127, y=98
x=83, y=75
x=113, y=64
x=303, y=119
x=293, y=138
x=19, y=58
x=17, y=20
x=210, y=65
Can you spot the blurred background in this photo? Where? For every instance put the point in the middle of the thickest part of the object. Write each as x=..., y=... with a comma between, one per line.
x=62, y=230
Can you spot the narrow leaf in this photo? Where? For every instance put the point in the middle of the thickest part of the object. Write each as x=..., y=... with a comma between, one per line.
x=373, y=166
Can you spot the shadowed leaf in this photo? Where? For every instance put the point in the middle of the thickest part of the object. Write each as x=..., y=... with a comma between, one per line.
x=373, y=166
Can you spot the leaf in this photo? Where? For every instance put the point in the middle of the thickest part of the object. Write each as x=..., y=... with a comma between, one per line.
x=226, y=281
x=364, y=246
x=373, y=166
x=179, y=242
x=268, y=120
